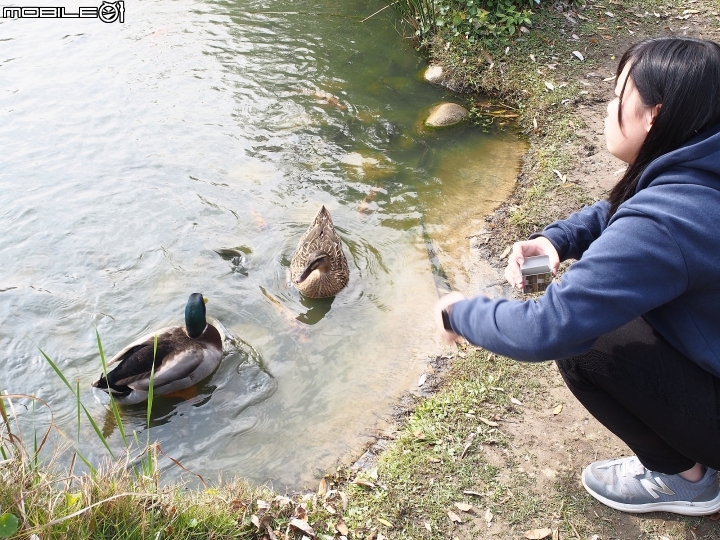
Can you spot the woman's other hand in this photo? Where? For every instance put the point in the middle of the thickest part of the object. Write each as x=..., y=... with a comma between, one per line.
x=446, y=302
x=529, y=248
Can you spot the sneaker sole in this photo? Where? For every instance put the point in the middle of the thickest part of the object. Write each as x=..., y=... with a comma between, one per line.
x=678, y=507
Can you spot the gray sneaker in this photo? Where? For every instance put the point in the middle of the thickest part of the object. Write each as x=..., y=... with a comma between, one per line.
x=625, y=484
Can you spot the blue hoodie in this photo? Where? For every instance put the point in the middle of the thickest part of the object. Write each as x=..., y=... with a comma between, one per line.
x=658, y=257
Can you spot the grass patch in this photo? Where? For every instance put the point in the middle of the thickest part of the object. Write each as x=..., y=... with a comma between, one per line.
x=447, y=453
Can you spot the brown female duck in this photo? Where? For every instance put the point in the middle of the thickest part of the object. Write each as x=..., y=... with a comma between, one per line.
x=319, y=268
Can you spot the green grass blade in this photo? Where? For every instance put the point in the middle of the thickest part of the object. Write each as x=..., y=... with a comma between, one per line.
x=90, y=418
x=93, y=470
x=113, y=404
x=4, y=415
x=77, y=398
x=151, y=393
x=151, y=389
x=35, y=441
x=57, y=370
x=98, y=432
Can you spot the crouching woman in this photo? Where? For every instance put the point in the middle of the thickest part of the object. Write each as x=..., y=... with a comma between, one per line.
x=634, y=323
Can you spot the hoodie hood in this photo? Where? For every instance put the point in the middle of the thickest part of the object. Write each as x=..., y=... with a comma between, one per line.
x=700, y=154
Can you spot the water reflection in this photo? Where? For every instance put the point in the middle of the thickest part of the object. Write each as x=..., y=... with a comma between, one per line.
x=317, y=308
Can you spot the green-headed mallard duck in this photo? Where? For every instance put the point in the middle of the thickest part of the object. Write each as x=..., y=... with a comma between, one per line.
x=185, y=356
x=319, y=268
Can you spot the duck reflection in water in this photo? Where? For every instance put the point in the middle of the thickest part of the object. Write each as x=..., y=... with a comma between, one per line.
x=317, y=309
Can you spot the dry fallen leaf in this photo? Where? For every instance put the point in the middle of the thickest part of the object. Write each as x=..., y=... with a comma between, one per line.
x=454, y=517
x=468, y=444
x=535, y=124
x=381, y=536
x=342, y=528
x=301, y=511
x=236, y=505
x=549, y=85
x=557, y=410
x=364, y=483
x=579, y=55
x=556, y=534
x=303, y=526
x=488, y=516
x=537, y=534
x=464, y=507
x=385, y=522
x=488, y=422
x=515, y=401
x=322, y=488
x=469, y=492
x=282, y=501
x=330, y=510
x=428, y=527
x=422, y=379
x=263, y=506
x=344, y=499
x=506, y=252
x=255, y=520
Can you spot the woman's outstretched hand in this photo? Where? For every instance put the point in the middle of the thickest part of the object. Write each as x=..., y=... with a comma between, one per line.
x=445, y=302
x=529, y=248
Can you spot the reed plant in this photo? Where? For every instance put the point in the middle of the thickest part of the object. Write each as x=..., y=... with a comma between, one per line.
x=44, y=495
x=420, y=15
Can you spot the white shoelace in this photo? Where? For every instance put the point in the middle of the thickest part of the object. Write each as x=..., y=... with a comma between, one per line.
x=628, y=467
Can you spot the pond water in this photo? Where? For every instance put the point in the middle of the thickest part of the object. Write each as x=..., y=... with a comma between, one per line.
x=186, y=150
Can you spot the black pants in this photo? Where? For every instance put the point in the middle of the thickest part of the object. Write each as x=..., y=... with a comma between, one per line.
x=661, y=404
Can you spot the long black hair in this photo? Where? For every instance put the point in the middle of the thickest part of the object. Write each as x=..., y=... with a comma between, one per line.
x=683, y=76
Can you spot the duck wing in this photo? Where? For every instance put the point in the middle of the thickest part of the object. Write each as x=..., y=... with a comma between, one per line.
x=175, y=366
x=144, y=341
x=176, y=357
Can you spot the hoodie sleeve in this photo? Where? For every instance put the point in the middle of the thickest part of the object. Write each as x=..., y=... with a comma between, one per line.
x=635, y=266
x=572, y=236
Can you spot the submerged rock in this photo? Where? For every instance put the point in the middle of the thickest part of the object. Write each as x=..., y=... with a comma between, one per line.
x=446, y=114
x=434, y=74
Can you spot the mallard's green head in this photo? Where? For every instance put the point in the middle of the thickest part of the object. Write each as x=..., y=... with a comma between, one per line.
x=195, y=315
